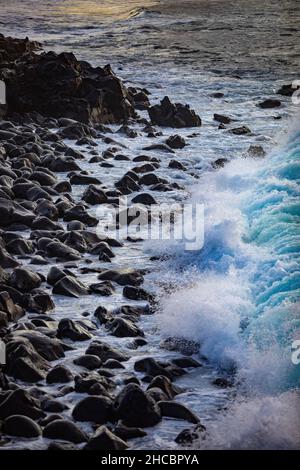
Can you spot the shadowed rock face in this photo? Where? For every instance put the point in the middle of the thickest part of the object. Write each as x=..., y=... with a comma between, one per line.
x=58, y=85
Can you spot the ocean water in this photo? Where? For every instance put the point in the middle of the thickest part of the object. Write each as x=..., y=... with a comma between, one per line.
x=239, y=295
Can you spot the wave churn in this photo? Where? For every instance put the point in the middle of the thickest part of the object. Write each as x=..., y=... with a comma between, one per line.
x=243, y=304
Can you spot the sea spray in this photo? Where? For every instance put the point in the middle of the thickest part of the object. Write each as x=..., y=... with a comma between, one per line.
x=243, y=302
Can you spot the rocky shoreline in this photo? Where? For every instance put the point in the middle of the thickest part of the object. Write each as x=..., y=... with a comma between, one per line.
x=57, y=105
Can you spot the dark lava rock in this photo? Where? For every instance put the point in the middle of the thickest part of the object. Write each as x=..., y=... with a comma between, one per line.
x=13, y=213
x=124, y=277
x=186, y=362
x=176, y=165
x=64, y=430
x=21, y=426
x=95, y=409
x=24, y=280
x=243, y=130
x=113, y=364
x=65, y=87
x=73, y=330
x=93, y=195
x=188, y=436
x=137, y=293
x=89, y=361
x=59, y=375
x=70, y=287
x=124, y=328
x=19, y=402
x=176, y=142
x=136, y=408
x=221, y=118
x=105, y=440
x=165, y=384
x=53, y=406
x=269, y=103
x=125, y=432
x=288, y=89
x=173, y=115
x=144, y=198
x=105, y=351
x=173, y=409
x=219, y=163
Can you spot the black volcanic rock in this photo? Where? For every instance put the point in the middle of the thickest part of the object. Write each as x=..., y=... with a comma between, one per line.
x=173, y=115
x=58, y=85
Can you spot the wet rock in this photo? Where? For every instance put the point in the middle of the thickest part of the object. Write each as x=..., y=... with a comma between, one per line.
x=104, y=351
x=93, y=195
x=94, y=384
x=124, y=328
x=288, y=89
x=79, y=213
x=164, y=383
x=103, y=288
x=89, y=361
x=49, y=348
x=173, y=409
x=149, y=179
x=153, y=368
x=59, y=375
x=105, y=440
x=173, y=115
x=188, y=436
x=125, y=432
x=113, y=364
x=24, y=280
x=219, y=163
x=256, y=151
x=53, y=406
x=144, y=198
x=21, y=426
x=40, y=301
x=103, y=315
x=124, y=277
x=269, y=103
x=160, y=147
x=13, y=213
x=127, y=185
x=101, y=249
x=176, y=142
x=95, y=409
x=176, y=165
x=19, y=402
x=64, y=430
x=182, y=345
x=186, y=362
x=223, y=382
x=59, y=446
x=243, y=130
x=221, y=118
x=67, y=88
x=79, y=179
x=14, y=311
x=56, y=249
x=43, y=223
x=72, y=330
x=137, y=293
x=70, y=287
x=129, y=403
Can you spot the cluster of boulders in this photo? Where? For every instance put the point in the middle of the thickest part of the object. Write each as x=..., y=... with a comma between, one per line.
x=41, y=224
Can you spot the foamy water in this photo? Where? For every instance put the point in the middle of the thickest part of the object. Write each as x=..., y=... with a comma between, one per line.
x=243, y=304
